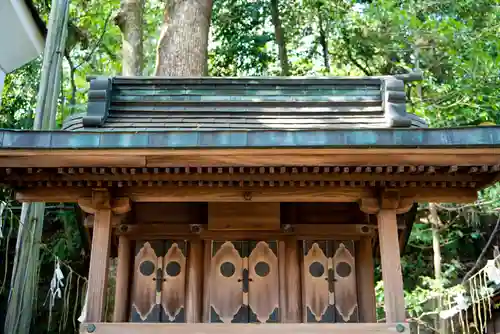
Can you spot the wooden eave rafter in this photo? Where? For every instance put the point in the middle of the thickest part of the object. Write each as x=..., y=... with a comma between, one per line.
x=317, y=182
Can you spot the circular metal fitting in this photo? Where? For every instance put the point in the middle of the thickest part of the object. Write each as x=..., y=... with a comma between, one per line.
x=91, y=328
x=400, y=328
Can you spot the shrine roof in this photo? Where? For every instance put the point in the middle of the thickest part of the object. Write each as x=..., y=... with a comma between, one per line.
x=255, y=103
x=423, y=138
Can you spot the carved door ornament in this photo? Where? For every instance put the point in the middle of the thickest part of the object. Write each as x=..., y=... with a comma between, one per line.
x=159, y=282
x=329, y=281
x=244, y=282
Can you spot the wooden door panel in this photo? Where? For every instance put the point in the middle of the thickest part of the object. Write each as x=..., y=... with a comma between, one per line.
x=346, y=299
x=263, y=294
x=226, y=282
x=317, y=288
x=329, y=282
x=174, y=281
x=158, y=288
x=145, y=297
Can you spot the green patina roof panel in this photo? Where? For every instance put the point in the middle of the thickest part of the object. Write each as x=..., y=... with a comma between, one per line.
x=221, y=104
x=360, y=138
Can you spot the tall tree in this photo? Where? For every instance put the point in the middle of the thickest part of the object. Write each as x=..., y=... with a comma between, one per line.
x=280, y=38
x=130, y=21
x=183, y=43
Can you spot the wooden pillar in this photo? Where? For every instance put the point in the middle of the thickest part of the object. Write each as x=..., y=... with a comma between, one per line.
x=207, y=259
x=386, y=207
x=290, y=292
x=365, y=281
x=391, y=266
x=194, y=287
x=122, y=280
x=103, y=208
x=99, y=261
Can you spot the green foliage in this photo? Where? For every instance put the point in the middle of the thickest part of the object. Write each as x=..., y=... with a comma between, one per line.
x=455, y=43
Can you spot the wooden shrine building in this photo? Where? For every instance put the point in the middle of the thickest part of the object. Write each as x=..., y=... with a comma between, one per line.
x=233, y=202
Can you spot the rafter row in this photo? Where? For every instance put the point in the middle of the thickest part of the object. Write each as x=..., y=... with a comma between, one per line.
x=420, y=169
x=243, y=184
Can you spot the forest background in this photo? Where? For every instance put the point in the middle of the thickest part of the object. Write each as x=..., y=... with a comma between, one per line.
x=455, y=43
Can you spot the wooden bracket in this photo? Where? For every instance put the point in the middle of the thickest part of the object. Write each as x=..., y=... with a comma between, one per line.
x=102, y=200
x=389, y=199
x=116, y=221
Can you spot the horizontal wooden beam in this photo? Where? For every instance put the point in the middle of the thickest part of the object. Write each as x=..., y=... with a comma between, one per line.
x=255, y=194
x=299, y=231
x=202, y=194
x=149, y=328
x=248, y=157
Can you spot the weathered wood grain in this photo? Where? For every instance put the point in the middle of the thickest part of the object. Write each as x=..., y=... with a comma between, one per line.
x=317, y=293
x=257, y=194
x=99, y=259
x=290, y=286
x=194, y=280
x=207, y=280
x=365, y=280
x=263, y=295
x=299, y=231
x=391, y=266
x=243, y=216
x=145, y=297
x=344, y=266
x=122, y=280
x=173, y=287
x=249, y=157
x=226, y=273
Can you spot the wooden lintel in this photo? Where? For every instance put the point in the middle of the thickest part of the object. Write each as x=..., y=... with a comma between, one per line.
x=153, y=328
x=402, y=199
x=255, y=194
x=440, y=195
x=297, y=231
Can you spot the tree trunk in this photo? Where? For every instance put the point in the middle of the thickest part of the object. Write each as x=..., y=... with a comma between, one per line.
x=280, y=38
x=130, y=21
x=436, y=225
x=324, y=44
x=183, y=43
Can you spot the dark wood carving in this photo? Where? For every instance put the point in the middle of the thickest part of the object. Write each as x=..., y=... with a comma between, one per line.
x=263, y=296
x=317, y=287
x=145, y=294
x=346, y=302
x=174, y=281
x=226, y=280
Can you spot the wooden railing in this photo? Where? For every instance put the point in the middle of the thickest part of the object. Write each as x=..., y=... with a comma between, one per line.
x=143, y=328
